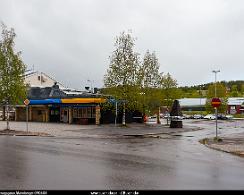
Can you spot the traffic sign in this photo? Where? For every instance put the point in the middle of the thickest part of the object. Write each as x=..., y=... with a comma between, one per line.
x=27, y=102
x=216, y=102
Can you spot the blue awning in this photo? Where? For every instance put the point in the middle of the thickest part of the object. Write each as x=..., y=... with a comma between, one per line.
x=45, y=102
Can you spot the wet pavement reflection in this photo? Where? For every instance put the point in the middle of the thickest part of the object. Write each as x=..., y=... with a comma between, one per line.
x=178, y=162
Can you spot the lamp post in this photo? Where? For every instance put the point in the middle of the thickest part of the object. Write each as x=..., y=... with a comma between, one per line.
x=215, y=94
x=200, y=93
x=215, y=71
x=91, y=81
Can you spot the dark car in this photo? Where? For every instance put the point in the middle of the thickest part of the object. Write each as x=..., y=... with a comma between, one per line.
x=222, y=117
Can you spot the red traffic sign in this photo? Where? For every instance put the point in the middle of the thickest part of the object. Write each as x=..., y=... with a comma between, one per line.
x=27, y=102
x=216, y=102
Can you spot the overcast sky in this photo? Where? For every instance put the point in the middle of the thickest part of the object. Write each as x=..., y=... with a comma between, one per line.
x=71, y=40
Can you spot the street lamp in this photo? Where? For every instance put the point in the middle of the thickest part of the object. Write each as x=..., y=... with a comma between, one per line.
x=200, y=93
x=216, y=110
x=91, y=81
x=215, y=71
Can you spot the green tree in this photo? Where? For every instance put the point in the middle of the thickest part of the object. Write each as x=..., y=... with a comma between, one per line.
x=149, y=81
x=234, y=91
x=242, y=90
x=12, y=87
x=169, y=90
x=220, y=93
x=121, y=77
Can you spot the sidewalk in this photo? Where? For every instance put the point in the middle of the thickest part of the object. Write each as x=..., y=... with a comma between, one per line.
x=100, y=131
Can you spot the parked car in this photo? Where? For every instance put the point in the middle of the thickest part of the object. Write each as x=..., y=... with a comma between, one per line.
x=152, y=118
x=224, y=117
x=167, y=116
x=198, y=116
x=210, y=116
x=176, y=117
x=185, y=116
x=229, y=117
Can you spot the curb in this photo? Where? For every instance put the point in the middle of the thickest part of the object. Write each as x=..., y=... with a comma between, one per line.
x=205, y=142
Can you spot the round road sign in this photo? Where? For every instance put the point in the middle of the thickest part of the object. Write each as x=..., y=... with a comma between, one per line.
x=27, y=102
x=216, y=102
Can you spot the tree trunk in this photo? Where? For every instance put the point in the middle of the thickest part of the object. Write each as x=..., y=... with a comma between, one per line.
x=7, y=109
x=158, y=116
x=4, y=112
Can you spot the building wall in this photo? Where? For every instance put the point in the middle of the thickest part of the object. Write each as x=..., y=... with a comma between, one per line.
x=35, y=113
x=235, y=109
x=71, y=114
x=39, y=114
x=40, y=79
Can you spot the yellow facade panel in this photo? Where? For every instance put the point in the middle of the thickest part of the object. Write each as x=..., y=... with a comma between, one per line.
x=83, y=100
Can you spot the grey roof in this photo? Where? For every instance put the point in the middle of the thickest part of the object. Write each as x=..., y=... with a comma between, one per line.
x=185, y=102
x=56, y=92
x=192, y=102
x=236, y=101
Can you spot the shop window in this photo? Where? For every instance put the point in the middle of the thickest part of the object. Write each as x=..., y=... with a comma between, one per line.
x=87, y=112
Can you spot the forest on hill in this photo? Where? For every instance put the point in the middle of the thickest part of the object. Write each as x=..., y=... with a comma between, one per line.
x=233, y=89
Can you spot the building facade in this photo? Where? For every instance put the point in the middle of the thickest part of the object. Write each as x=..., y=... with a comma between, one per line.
x=235, y=105
x=52, y=104
x=40, y=79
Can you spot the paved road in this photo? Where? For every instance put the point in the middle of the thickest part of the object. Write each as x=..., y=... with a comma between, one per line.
x=178, y=162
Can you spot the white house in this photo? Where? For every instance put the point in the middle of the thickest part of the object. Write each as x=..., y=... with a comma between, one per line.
x=40, y=79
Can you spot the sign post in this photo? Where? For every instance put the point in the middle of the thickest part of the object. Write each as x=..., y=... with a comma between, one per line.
x=27, y=102
x=116, y=113
x=216, y=102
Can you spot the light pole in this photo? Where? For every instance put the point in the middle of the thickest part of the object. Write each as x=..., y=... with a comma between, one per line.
x=216, y=110
x=91, y=84
x=200, y=93
x=215, y=71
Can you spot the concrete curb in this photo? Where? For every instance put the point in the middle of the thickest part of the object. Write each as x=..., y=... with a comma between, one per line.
x=221, y=146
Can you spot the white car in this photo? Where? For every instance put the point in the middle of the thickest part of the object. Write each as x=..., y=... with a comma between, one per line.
x=197, y=116
x=210, y=116
x=229, y=117
x=152, y=119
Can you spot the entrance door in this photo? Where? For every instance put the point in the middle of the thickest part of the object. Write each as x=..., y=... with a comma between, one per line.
x=64, y=115
x=54, y=114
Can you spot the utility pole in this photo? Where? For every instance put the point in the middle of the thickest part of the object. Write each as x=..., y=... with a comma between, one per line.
x=200, y=92
x=215, y=90
x=92, y=82
x=215, y=94
x=116, y=112
x=123, y=119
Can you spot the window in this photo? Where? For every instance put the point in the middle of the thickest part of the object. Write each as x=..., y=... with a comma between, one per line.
x=39, y=78
x=86, y=112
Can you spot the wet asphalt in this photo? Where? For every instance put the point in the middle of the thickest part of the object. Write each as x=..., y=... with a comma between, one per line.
x=92, y=163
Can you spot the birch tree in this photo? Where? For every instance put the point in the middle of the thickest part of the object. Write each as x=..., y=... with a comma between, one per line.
x=12, y=69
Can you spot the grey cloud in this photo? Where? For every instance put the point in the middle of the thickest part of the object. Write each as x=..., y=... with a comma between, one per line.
x=72, y=40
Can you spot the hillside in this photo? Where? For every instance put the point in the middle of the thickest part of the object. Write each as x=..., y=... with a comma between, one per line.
x=233, y=88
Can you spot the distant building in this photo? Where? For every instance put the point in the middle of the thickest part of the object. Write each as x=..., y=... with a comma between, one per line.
x=40, y=79
x=236, y=105
x=192, y=104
